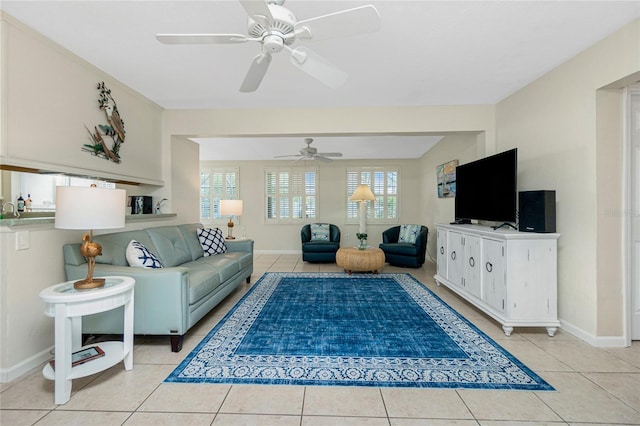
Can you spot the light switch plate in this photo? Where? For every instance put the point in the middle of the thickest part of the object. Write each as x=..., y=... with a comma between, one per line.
x=22, y=240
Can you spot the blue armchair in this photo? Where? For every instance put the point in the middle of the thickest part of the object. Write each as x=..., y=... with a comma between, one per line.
x=401, y=253
x=320, y=251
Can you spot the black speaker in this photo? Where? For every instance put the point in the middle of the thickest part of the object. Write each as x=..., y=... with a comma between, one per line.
x=537, y=211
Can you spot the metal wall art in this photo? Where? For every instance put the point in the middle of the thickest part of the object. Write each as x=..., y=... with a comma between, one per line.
x=113, y=130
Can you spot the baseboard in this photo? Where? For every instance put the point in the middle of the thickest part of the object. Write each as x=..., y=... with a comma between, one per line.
x=593, y=340
x=277, y=252
x=9, y=374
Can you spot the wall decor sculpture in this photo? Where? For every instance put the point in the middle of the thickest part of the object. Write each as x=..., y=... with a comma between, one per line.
x=114, y=130
x=446, y=175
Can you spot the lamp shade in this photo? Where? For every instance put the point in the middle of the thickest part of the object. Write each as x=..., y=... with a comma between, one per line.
x=231, y=207
x=89, y=208
x=362, y=193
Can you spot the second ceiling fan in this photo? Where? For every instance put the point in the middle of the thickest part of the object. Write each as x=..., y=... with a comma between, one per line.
x=276, y=28
x=311, y=153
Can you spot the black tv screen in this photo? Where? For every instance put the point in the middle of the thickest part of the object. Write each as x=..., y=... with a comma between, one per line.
x=486, y=188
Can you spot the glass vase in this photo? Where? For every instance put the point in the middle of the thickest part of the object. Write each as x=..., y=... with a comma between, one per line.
x=363, y=245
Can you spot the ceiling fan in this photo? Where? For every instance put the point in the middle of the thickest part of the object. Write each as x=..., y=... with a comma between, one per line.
x=275, y=27
x=310, y=153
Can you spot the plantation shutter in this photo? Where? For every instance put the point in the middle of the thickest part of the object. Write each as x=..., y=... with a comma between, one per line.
x=290, y=195
x=216, y=184
x=383, y=182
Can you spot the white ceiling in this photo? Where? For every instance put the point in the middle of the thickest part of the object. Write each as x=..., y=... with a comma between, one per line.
x=426, y=53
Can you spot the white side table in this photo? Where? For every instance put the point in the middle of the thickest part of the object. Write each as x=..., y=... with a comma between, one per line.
x=67, y=305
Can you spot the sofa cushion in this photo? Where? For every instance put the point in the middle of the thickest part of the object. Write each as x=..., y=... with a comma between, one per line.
x=212, y=241
x=190, y=233
x=139, y=256
x=202, y=280
x=403, y=249
x=409, y=233
x=320, y=246
x=114, y=246
x=171, y=245
x=225, y=265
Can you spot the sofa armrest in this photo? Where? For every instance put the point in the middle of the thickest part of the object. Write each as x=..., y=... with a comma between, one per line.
x=239, y=245
x=161, y=299
x=305, y=233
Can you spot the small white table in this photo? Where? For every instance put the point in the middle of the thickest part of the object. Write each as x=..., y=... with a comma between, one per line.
x=67, y=305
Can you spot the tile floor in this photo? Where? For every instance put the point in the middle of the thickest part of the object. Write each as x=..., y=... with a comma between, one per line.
x=594, y=386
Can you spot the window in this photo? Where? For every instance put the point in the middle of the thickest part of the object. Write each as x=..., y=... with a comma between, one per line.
x=290, y=195
x=216, y=184
x=385, y=186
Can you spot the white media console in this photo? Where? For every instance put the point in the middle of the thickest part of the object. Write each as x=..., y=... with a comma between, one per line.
x=509, y=275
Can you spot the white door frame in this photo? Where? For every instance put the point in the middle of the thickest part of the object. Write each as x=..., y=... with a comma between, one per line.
x=628, y=213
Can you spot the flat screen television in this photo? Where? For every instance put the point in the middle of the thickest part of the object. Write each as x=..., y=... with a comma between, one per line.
x=486, y=189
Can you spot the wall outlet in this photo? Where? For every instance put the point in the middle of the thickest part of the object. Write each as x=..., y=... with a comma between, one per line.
x=22, y=240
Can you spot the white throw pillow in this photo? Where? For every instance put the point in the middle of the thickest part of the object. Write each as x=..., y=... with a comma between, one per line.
x=139, y=256
x=212, y=241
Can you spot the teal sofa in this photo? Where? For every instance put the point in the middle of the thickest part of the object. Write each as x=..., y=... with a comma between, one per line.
x=169, y=300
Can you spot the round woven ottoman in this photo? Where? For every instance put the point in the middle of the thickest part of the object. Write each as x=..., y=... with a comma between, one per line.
x=353, y=259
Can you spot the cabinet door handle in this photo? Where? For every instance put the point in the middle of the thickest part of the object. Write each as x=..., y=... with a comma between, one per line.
x=472, y=262
x=441, y=249
x=453, y=255
x=489, y=266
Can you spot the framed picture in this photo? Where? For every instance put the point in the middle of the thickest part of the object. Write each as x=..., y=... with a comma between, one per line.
x=446, y=175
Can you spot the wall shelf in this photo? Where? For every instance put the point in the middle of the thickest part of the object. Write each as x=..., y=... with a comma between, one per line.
x=41, y=219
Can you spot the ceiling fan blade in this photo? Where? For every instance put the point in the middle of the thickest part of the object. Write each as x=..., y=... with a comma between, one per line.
x=360, y=20
x=330, y=154
x=257, y=8
x=318, y=67
x=256, y=72
x=288, y=156
x=321, y=158
x=202, y=38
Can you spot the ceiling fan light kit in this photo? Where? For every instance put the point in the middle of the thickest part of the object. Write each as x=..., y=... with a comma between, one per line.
x=276, y=28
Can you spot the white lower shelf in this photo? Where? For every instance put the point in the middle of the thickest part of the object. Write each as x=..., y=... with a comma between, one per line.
x=113, y=354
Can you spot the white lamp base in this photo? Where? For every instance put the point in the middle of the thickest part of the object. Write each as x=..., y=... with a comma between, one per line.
x=362, y=213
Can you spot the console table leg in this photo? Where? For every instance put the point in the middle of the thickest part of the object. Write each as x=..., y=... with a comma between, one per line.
x=63, y=343
x=128, y=333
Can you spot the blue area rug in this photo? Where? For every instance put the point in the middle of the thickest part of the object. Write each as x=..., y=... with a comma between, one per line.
x=358, y=330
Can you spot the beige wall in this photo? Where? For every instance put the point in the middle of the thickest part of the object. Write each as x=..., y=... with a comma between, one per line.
x=50, y=95
x=331, y=202
x=554, y=122
x=462, y=147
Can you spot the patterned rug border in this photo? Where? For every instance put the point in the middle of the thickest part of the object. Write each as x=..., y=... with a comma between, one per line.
x=489, y=365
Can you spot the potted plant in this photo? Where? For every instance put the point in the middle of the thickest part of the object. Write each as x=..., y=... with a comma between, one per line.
x=363, y=240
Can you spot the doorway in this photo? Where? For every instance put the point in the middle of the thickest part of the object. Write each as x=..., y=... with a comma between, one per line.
x=633, y=209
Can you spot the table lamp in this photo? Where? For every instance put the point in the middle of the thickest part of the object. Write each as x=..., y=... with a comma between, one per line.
x=89, y=208
x=362, y=194
x=230, y=208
